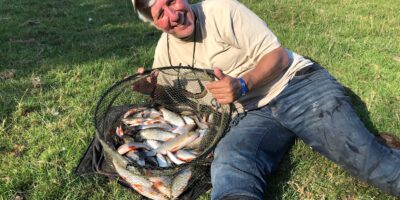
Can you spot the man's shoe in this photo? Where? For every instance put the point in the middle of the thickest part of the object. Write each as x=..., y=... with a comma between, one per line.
x=389, y=139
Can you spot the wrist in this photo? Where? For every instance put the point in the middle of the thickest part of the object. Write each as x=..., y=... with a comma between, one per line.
x=243, y=86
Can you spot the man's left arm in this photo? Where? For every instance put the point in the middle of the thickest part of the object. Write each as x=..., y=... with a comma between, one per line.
x=228, y=89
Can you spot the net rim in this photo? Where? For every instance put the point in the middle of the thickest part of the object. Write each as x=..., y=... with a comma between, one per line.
x=147, y=72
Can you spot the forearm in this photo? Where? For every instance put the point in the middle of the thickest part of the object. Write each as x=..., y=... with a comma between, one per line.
x=271, y=66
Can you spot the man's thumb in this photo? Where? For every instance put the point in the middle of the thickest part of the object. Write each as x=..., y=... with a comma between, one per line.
x=218, y=73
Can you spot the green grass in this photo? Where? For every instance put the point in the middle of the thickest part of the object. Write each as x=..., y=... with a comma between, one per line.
x=45, y=130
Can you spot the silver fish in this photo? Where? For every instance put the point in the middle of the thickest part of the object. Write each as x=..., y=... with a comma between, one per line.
x=196, y=142
x=185, y=155
x=210, y=119
x=119, y=131
x=151, y=113
x=154, y=144
x=201, y=124
x=157, y=134
x=162, y=162
x=149, y=192
x=180, y=182
x=142, y=121
x=174, y=159
x=162, y=184
x=141, y=162
x=127, y=139
x=188, y=120
x=183, y=129
x=172, y=117
x=133, y=155
x=163, y=126
x=131, y=146
x=132, y=111
x=130, y=177
x=187, y=112
x=175, y=144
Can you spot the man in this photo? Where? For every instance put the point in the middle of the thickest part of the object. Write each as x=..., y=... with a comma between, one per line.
x=279, y=94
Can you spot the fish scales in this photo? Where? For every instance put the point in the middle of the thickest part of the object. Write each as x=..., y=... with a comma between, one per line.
x=142, y=121
x=200, y=123
x=163, y=184
x=157, y=134
x=133, y=155
x=185, y=155
x=149, y=192
x=163, y=133
x=119, y=131
x=174, y=159
x=127, y=139
x=172, y=117
x=154, y=144
x=188, y=120
x=162, y=126
x=175, y=144
x=183, y=129
x=131, y=146
x=132, y=111
x=162, y=162
x=130, y=177
x=151, y=113
x=180, y=182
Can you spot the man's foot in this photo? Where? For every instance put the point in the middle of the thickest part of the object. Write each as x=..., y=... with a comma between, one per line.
x=389, y=139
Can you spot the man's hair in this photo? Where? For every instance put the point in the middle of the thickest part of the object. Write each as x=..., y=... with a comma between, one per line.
x=142, y=7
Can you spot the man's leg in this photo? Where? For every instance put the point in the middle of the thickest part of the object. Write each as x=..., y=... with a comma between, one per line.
x=247, y=154
x=315, y=107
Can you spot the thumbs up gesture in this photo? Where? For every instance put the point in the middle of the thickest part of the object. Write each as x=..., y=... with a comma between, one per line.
x=225, y=90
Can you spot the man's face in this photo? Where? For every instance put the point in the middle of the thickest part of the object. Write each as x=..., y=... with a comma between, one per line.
x=173, y=16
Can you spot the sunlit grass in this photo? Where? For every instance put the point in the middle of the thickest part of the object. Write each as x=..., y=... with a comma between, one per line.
x=44, y=130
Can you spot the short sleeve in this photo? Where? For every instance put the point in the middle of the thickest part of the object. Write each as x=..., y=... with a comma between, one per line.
x=243, y=29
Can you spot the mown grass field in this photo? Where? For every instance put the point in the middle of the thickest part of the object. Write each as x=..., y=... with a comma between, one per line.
x=57, y=57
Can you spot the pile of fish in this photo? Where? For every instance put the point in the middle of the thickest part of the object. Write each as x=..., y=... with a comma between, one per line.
x=158, y=137
x=157, y=188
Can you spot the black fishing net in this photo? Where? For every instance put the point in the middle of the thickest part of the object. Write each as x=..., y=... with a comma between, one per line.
x=119, y=117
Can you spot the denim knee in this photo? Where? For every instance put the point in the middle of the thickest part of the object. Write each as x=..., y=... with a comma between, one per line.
x=238, y=197
x=247, y=155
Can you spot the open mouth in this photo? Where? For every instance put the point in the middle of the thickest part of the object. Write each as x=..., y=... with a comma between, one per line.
x=182, y=23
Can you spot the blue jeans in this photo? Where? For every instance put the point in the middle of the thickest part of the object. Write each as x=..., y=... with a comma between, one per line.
x=314, y=108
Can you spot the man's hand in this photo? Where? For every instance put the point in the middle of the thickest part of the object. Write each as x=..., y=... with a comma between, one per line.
x=226, y=90
x=147, y=85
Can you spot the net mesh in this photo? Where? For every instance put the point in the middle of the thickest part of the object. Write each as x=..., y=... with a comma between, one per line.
x=180, y=90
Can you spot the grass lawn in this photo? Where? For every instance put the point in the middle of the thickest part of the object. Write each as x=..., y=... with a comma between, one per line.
x=58, y=57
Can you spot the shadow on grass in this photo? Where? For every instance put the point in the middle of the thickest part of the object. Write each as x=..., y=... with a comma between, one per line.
x=278, y=181
x=43, y=36
x=361, y=109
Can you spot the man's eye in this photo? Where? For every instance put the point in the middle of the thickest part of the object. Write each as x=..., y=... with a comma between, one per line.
x=161, y=14
x=170, y=2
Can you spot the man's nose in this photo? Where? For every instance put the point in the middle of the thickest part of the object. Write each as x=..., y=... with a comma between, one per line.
x=172, y=14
